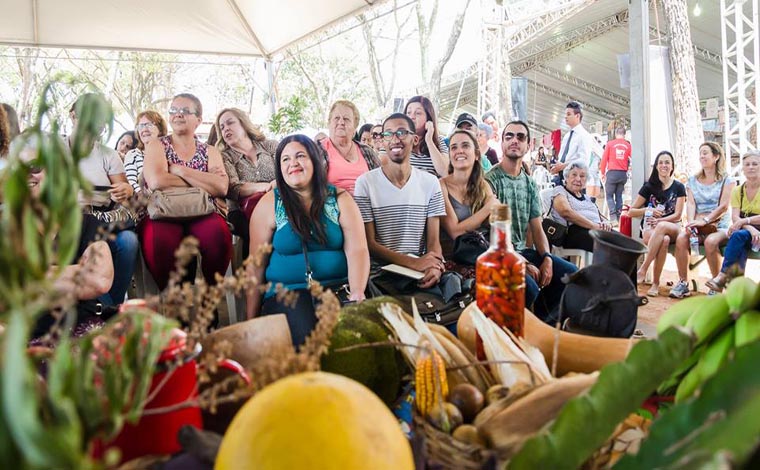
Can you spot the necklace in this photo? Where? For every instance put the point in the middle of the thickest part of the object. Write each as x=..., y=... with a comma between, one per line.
x=347, y=155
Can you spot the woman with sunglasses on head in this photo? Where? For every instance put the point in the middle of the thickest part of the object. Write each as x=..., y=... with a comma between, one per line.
x=345, y=158
x=312, y=227
x=249, y=160
x=744, y=232
x=149, y=126
x=467, y=196
x=180, y=160
x=660, y=204
x=430, y=153
x=708, y=196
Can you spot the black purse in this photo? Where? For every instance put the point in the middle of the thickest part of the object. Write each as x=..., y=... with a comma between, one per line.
x=342, y=291
x=555, y=231
x=468, y=246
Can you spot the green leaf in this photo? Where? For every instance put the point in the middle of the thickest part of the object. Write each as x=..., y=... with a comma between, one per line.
x=722, y=419
x=587, y=421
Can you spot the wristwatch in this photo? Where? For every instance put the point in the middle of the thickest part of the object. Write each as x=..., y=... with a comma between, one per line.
x=546, y=255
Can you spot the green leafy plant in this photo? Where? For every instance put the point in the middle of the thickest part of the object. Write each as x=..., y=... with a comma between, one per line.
x=288, y=118
x=722, y=420
x=587, y=421
x=94, y=383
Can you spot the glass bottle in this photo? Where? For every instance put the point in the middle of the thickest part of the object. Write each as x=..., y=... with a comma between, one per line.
x=500, y=276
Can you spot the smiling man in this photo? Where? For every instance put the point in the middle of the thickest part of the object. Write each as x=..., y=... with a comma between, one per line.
x=510, y=183
x=401, y=206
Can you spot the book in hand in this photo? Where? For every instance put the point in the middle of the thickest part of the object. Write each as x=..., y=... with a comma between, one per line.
x=408, y=272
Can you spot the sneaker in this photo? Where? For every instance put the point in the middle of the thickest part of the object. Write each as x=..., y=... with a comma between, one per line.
x=680, y=290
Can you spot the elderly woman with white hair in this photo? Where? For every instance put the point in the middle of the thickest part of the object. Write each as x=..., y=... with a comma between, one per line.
x=572, y=207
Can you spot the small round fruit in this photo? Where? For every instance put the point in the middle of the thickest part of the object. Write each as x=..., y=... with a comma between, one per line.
x=468, y=434
x=468, y=399
x=455, y=415
x=496, y=393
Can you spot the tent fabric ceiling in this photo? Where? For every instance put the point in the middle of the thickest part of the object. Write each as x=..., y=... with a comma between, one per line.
x=237, y=27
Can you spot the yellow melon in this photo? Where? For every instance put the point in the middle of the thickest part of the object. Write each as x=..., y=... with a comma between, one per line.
x=316, y=421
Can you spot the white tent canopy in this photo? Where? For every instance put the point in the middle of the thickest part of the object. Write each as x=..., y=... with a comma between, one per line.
x=258, y=28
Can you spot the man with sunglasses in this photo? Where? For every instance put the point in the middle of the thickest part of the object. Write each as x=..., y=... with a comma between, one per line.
x=401, y=207
x=576, y=144
x=513, y=186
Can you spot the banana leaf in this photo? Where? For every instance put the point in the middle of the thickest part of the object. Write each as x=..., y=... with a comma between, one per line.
x=586, y=422
x=722, y=420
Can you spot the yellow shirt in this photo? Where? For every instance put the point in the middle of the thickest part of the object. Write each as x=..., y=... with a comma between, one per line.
x=739, y=200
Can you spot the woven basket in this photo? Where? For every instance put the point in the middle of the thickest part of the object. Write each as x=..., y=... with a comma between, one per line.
x=443, y=451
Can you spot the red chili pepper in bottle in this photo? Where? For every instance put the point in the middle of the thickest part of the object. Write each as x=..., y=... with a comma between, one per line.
x=500, y=278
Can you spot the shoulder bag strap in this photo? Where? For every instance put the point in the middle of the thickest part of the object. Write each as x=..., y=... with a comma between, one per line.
x=309, y=278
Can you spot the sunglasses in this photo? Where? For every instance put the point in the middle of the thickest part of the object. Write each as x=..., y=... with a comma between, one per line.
x=35, y=170
x=401, y=133
x=377, y=135
x=182, y=111
x=521, y=136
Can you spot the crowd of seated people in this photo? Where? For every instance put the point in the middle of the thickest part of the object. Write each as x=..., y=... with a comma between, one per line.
x=338, y=207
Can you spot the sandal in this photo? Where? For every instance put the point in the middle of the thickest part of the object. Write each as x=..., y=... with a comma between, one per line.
x=718, y=283
x=653, y=291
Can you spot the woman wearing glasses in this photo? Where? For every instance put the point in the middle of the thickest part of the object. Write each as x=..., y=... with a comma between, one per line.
x=180, y=160
x=149, y=127
x=249, y=160
x=575, y=209
x=430, y=153
x=306, y=220
x=345, y=158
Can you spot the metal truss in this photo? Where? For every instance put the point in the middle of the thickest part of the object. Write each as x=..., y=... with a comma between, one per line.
x=584, y=85
x=536, y=126
x=490, y=67
x=527, y=57
x=741, y=55
x=542, y=21
x=531, y=55
x=605, y=113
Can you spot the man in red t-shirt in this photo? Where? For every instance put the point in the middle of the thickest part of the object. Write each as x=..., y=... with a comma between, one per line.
x=614, y=170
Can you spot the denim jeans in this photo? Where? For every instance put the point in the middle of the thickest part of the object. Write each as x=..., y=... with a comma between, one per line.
x=613, y=188
x=124, y=252
x=737, y=250
x=546, y=300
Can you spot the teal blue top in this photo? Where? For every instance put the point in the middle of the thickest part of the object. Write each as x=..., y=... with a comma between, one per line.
x=287, y=265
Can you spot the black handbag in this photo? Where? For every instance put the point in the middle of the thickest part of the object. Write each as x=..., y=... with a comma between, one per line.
x=342, y=291
x=468, y=246
x=433, y=309
x=555, y=231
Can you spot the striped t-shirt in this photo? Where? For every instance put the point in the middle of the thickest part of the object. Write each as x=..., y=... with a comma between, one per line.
x=399, y=214
x=133, y=165
x=425, y=162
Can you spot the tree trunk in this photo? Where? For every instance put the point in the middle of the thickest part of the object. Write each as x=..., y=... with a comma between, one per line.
x=456, y=31
x=689, y=132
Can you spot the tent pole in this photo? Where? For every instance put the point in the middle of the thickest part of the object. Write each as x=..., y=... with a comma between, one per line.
x=640, y=121
x=270, y=83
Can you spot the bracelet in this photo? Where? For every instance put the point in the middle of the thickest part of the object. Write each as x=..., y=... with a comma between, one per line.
x=546, y=255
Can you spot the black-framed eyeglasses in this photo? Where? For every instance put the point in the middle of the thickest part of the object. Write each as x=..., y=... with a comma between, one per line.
x=377, y=135
x=182, y=111
x=401, y=133
x=521, y=136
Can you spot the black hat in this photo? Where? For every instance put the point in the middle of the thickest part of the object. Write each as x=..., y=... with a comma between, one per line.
x=466, y=117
